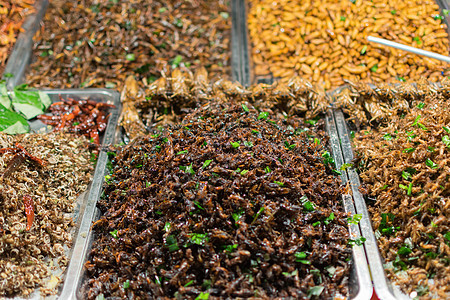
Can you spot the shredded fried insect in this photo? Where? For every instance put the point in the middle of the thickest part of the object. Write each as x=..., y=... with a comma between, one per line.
x=12, y=15
x=229, y=202
x=404, y=166
x=100, y=43
x=37, y=209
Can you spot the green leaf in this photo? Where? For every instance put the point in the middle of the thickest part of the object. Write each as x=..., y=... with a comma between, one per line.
x=4, y=98
x=358, y=241
x=316, y=223
x=404, y=251
x=267, y=169
x=345, y=166
x=263, y=115
x=231, y=248
x=224, y=15
x=167, y=226
x=421, y=105
x=446, y=140
x=258, y=214
x=177, y=60
x=162, y=9
x=374, y=68
x=11, y=122
x=130, y=57
x=363, y=50
x=235, y=144
x=315, y=290
x=243, y=172
x=237, y=215
x=409, y=150
x=387, y=137
x=329, y=219
x=100, y=297
x=8, y=75
x=189, y=283
x=29, y=103
x=343, y=19
x=300, y=257
x=445, y=12
x=447, y=236
x=182, y=152
x=406, y=175
x=393, y=11
x=307, y=205
x=199, y=205
x=245, y=108
x=114, y=233
x=207, y=163
x=446, y=129
x=279, y=183
x=199, y=238
x=171, y=243
x=202, y=296
x=355, y=219
x=126, y=284
x=431, y=164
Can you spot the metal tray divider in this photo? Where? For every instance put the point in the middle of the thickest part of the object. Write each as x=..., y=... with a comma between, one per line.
x=382, y=286
x=239, y=46
x=361, y=268
x=80, y=247
x=21, y=54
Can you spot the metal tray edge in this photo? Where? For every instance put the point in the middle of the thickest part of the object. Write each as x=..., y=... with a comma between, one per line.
x=79, y=246
x=383, y=287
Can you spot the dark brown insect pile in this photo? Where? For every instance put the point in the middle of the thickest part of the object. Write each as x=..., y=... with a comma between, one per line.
x=100, y=43
x=404, y=165
x=168, y=99
x=231, y=202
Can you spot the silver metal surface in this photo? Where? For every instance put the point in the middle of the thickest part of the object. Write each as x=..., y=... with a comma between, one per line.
x=21, y=54
x=360, y=282
x=408, y=48
x=383, y=287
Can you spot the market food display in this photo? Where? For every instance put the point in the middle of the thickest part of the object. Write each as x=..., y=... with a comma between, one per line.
x=168, y=99
x=229, y=202
x=100, y=43
x=326, y=41
x=41, y=177
x=12, y=15
x=403, y=165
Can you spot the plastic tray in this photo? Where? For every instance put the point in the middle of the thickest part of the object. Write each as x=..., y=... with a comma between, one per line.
x=21, y=53
x=85, y=206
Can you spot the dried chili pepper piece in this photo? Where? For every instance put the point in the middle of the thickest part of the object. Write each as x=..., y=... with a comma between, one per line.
x=29, y=210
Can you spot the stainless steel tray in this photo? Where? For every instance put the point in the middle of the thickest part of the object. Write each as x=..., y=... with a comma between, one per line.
x=21, y=53
x=85, y=206
x=383, y=287
x=360, y=285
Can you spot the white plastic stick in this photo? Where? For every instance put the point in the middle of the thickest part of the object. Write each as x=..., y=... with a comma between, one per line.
x=408, y=48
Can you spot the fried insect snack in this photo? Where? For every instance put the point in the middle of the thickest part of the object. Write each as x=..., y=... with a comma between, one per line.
x=325, y=42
